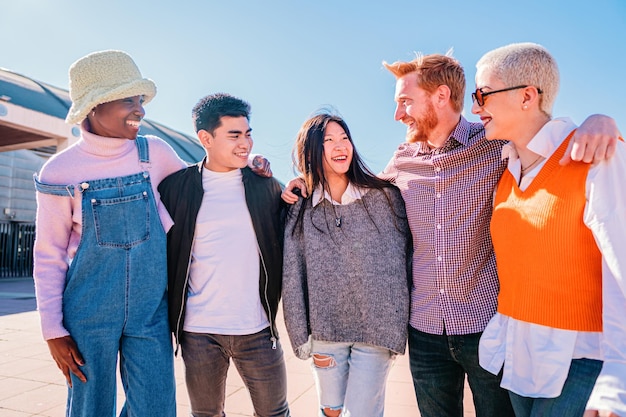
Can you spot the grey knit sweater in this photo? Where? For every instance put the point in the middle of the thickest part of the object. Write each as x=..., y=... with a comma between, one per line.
x=356, y=273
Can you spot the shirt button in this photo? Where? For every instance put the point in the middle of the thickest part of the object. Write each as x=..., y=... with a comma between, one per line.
x=442, y=291
x=438, y=195
x=437, y=169
x=84, y=185
x=439, y=258
x=438, y=226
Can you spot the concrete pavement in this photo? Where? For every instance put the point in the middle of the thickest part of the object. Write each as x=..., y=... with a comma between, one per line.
x=32, y=385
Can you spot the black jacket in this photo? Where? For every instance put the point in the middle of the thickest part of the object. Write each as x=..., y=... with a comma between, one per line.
x=181, y=193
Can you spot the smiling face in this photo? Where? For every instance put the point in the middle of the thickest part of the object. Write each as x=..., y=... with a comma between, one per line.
x=414, y=108
x=501, y=112
x=118, y=119
x=229, y=146
x=337, y=151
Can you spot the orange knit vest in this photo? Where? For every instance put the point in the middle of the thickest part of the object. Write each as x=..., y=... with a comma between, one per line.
x=549, y=265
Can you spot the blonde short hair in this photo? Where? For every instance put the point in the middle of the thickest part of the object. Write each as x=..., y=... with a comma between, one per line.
x=525, y=64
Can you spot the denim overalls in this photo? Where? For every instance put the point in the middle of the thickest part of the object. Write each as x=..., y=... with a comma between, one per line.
x=115, y=297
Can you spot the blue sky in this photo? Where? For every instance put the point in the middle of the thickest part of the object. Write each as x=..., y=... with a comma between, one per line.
x=289, y=58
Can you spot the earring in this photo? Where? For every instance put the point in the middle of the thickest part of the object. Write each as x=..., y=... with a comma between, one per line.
x=93, y=113
x=524, y=107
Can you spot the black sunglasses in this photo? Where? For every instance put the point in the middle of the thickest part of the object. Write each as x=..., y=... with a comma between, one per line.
x=479, y=96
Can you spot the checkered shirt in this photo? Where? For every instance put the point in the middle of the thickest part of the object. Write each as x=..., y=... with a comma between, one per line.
x=448, y=194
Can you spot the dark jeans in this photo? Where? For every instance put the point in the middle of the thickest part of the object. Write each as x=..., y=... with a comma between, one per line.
x=439, y=364
x=207, y=357
x=573, y=399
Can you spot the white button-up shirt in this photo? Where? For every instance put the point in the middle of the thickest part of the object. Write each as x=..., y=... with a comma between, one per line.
x=535, y=359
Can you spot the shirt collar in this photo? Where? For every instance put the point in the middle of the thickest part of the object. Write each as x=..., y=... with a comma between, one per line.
x=545, y=142
x=465, y=132
x=351, y=194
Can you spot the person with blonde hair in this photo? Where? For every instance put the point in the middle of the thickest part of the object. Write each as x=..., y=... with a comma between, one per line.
x=559, y=233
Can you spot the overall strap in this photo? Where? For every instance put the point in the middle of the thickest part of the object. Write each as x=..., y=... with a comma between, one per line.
x=142, y=149
x=60, y=190
x=144, y=154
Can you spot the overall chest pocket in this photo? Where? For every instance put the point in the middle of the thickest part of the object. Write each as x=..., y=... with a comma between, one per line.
x=122, y=222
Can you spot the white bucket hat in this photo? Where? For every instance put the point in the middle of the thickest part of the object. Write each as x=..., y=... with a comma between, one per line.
x=104, y=76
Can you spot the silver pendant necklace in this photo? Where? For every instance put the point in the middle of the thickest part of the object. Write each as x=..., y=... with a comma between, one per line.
x=337, y=212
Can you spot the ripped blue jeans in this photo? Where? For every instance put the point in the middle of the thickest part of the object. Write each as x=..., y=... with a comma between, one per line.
x=351, y=377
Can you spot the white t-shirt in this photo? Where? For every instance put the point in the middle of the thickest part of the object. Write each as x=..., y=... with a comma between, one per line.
x=224, y=271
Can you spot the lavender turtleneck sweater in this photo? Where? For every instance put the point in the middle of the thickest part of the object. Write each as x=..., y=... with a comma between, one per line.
x=59, y=218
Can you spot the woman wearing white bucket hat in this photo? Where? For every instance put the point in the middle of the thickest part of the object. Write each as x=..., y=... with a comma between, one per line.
x=100, y=264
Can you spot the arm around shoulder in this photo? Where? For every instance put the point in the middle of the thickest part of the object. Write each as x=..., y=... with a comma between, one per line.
x=594, y=140
x=170, y=189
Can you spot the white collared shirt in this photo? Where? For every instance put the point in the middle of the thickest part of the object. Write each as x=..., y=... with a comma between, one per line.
x=352, y=194
x=536, y=358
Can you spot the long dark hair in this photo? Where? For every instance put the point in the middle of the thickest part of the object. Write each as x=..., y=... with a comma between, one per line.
x=308, y=157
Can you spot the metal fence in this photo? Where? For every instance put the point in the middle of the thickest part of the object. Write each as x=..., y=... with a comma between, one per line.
x=16, y=249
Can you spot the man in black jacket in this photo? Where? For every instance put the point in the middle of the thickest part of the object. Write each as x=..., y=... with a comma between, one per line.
x=225, y=264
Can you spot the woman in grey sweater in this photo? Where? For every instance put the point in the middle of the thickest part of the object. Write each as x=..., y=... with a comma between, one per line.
x=346, y=260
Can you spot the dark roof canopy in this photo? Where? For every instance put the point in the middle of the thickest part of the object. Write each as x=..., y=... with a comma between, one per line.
x=23, y=91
